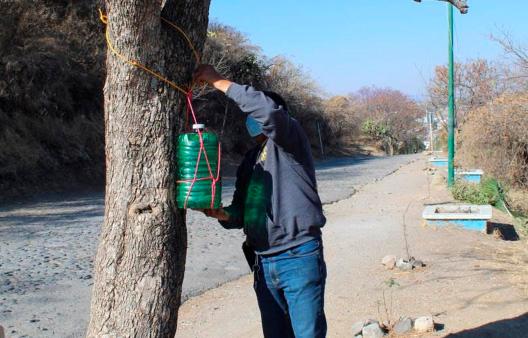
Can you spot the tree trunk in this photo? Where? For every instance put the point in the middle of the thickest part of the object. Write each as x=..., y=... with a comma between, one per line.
x=389, y=146
x=141, y=256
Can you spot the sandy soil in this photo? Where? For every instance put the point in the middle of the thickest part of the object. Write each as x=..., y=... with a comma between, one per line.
x=47, y=248
x=474, y=284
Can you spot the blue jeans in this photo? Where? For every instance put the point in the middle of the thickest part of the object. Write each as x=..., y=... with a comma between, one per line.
x=290, y=292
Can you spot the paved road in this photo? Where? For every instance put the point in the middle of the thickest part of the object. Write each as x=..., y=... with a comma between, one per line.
x=47, y=248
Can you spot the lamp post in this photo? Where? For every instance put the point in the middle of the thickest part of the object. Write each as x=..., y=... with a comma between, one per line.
x=451, y=104
x=462, y=6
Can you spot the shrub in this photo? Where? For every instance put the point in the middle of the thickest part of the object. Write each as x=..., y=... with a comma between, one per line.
x=489, y=191
x=494, y=138
x=469, y=193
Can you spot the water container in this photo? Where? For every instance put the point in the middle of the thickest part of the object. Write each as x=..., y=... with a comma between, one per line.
x=197, y=195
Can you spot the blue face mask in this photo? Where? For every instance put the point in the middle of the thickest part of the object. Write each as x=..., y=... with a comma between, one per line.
x=253, y=126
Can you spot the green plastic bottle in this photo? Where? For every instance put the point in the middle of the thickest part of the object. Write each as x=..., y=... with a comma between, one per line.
x=200, y=194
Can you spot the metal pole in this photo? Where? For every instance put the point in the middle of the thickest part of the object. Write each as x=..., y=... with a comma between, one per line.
x=451, y=116
x=431, y=138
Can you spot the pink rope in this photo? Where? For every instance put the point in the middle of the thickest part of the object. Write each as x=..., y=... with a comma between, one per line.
x=211, y=177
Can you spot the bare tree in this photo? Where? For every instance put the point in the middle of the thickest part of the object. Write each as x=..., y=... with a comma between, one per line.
x=390, y=117
x=141, y=257
x=476, y=82
x=512, y=48
x=517, y=73
x=343, y=120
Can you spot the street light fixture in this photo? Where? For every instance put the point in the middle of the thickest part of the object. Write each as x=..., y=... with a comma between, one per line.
x=463, y=8
x=461, y=5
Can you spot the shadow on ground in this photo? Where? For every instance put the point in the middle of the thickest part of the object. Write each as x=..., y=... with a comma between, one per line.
x=507, y=328
x=504, y=231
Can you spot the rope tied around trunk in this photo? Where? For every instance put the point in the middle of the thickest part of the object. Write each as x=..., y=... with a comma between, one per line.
x=135, y=63
x=189, y=109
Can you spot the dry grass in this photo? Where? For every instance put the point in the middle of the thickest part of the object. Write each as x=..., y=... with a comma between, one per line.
x=518, y=200
x=51, y=77
x=494, y=138
x=49, y=153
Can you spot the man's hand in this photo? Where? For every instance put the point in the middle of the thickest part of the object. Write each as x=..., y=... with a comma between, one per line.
x=207, y=73
x=220, y=214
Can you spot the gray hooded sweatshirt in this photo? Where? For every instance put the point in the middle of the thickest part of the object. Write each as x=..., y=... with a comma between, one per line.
x=275, y=200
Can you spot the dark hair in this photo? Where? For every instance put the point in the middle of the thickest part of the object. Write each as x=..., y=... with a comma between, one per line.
x=276, y=98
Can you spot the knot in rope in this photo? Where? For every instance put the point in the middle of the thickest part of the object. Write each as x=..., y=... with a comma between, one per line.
x=104, y=19
x=102, y=16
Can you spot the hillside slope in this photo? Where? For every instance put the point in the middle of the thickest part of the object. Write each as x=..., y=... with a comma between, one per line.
x=51, y=79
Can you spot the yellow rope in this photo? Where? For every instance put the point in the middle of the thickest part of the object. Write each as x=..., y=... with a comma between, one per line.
x=137, y=64
x=196, y=55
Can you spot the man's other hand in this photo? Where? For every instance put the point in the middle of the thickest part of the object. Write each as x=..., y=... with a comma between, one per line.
x=220, y=214
x=207, y=73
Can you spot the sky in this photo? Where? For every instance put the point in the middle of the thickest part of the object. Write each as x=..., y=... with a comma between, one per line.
x=347, y=44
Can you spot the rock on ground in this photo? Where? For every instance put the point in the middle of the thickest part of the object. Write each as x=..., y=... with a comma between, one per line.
x=389, y=262
x=424, y=324
x=418, y=264
x=373, y=331
x=403, y=265
x=357, y=328
x=404, y=325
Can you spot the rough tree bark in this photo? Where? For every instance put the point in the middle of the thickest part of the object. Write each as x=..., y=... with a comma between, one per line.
x=141, y=257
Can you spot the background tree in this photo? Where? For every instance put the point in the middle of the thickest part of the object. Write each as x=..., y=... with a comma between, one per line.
x=476, y=82
x=517, y=53
x=391, y=118
x=141, y=257
x=493, y=136
x=343, y=120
